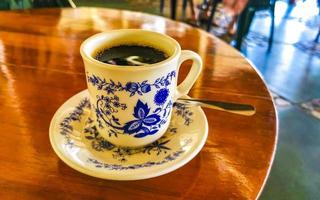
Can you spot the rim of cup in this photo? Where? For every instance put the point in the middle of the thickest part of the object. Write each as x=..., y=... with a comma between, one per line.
x=86, y=50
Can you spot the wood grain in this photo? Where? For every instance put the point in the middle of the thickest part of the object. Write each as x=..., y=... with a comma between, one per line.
x=40, y=68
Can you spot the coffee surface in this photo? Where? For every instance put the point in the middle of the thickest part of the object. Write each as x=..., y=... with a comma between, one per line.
x=131, y=55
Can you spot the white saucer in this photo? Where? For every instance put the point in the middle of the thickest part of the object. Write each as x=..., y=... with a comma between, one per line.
x=76, y=141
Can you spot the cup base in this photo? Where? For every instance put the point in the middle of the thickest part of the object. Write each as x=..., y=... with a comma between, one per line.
x=126, y=140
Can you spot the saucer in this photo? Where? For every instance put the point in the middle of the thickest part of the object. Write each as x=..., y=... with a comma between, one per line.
x=77, y=142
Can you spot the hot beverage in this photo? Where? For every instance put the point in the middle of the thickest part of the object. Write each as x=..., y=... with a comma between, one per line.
x=131, y=55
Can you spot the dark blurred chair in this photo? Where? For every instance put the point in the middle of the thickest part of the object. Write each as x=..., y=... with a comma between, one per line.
x=4, y=5
x=246, y=18
x=214, y=4
x=173, y=7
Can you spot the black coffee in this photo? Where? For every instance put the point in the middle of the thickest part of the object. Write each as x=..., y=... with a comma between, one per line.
x=131, y=55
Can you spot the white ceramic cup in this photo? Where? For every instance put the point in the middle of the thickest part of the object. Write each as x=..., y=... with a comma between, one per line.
x=131, y=105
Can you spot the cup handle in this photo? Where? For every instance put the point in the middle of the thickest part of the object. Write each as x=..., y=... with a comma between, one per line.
x=184, y=87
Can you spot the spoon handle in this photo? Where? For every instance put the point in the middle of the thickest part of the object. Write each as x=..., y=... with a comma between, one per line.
x=241, y=109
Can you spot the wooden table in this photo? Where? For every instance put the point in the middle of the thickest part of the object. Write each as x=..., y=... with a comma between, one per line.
x=40, y=68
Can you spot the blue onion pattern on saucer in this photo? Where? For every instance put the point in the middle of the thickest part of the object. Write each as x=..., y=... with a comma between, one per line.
x=75, y=139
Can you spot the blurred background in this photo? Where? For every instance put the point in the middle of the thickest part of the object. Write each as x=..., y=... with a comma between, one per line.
x=281, y=38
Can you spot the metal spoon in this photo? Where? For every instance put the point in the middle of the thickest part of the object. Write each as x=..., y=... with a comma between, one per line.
x=241, y=109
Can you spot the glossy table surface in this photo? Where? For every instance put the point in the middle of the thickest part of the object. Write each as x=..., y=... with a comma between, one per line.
x=40, y=68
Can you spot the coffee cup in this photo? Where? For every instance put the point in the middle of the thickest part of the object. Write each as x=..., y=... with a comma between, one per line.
x=131, y=105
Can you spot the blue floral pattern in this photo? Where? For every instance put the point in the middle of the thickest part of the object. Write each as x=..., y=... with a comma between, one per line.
x=141, y=126
x=161, y=96
x=132, y=87
x=105, y=109
x=65, y=126
x=183, y=111
x=145, y=122
x=158, y=146
x=99, y=144
x=167, y=159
